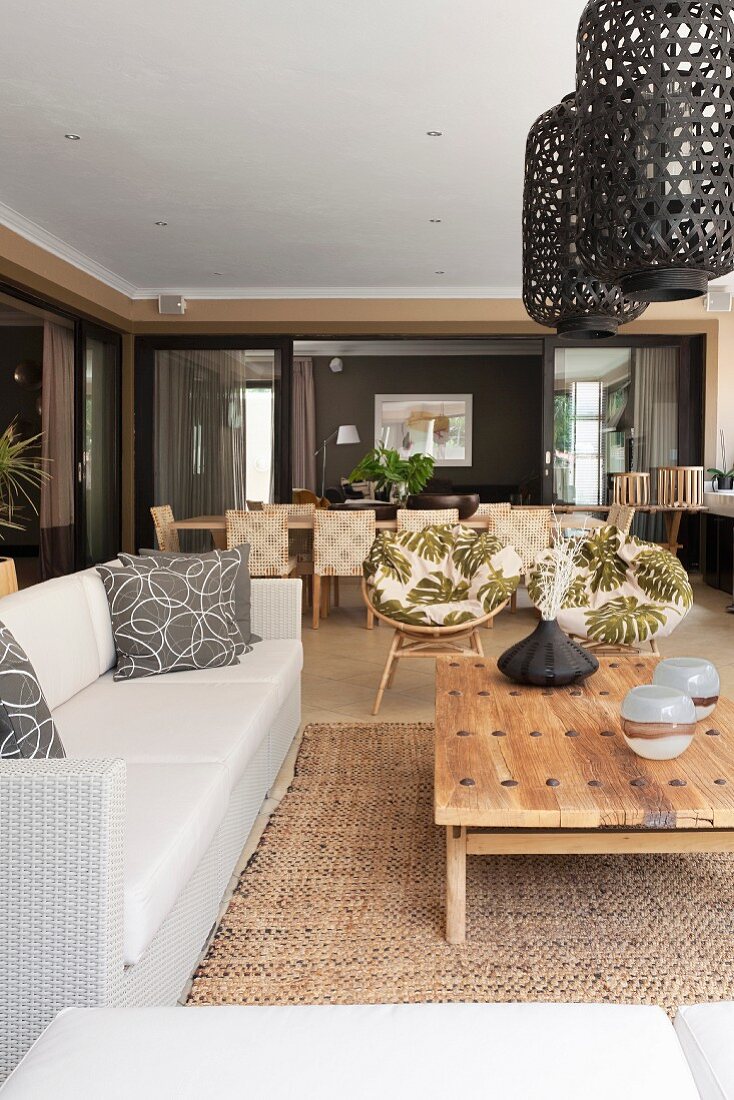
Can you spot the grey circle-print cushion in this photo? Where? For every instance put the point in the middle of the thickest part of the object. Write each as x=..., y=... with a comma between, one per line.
x=27, y=730
x=167, y=620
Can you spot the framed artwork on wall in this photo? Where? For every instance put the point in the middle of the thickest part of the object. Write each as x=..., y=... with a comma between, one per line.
x=437, y=424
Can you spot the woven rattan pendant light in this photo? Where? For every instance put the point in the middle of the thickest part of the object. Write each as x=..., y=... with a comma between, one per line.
x=656, y=178
x=557, y=290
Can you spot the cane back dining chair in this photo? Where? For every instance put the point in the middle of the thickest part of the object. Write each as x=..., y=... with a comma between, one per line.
x=529, y=531
x=621, y=517
x=492, y=513
x=341, y=543
x=267, y=534
x=166, y=535
x=417, y=519
x=300, y=543
x=435, y=588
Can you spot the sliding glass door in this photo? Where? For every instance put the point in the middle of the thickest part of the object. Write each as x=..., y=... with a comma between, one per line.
x=98, y=404
x=632, y=405
x=211, y=432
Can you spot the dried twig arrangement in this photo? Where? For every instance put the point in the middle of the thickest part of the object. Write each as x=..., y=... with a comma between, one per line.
x=555, y=571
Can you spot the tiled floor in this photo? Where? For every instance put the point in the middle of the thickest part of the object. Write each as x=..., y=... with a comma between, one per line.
x=343, y=661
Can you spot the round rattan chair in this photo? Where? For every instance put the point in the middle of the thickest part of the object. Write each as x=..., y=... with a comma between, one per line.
x=436, y=588
x=166, y=535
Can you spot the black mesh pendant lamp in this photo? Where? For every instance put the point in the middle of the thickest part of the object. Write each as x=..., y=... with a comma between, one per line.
x=557, y=290
x=655, y=95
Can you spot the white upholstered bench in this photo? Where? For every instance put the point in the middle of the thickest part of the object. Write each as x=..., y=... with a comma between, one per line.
x=414, y=1052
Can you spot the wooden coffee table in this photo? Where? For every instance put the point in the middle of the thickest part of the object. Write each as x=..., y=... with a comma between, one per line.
x=525, y=770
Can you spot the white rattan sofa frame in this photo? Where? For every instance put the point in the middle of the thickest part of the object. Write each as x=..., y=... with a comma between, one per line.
x=61, y=875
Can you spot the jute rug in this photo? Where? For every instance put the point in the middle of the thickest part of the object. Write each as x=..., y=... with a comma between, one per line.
x=343, y=903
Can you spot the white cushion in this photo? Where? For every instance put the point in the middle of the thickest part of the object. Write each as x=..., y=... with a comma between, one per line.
x=172, y=814
x=99, y=611
x=53, y=624
x=168, y=718
x=415, y=1052
x=277, y=662
x=706, y=1033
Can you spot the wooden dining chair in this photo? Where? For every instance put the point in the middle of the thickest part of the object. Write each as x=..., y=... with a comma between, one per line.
x=166, y=535
x=341, y=542
x=267, y=534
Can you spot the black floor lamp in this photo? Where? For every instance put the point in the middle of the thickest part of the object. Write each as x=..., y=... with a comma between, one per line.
x=345, y=433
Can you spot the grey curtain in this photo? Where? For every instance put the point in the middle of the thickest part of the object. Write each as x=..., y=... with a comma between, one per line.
x=200, y=455
x=57, y=448
x=304, y=424
x=656, y=423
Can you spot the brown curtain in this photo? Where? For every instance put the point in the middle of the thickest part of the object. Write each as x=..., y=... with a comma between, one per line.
x=656, y=423
x=304, y=424
x=57, y=423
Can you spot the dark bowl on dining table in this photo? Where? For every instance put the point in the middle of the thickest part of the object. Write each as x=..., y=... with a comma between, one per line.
x=381, y=510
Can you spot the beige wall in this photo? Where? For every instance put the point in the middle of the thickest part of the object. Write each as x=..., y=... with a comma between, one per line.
x=30, y=267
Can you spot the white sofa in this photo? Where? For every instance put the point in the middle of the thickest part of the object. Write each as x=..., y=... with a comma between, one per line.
x=415, y=1052
x=116, y=859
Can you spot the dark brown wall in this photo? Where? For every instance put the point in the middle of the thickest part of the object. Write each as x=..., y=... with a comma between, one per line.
x=507, y=409
x=17, y=344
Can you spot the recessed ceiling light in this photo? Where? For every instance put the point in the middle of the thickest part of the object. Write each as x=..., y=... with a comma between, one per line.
x=72, y=137
x=161, y=224
x=435, y=221
x=439, y=272
x=434, y=133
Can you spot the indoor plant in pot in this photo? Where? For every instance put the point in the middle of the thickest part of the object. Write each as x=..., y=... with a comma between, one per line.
x=723, y=478
x=21, y=469
x=548, y=657
x=400, y=476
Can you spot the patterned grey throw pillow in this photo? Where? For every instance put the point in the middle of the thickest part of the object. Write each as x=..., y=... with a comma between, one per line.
x=242, y=587
x=27, y=730
x=167, y=619
x=230, y=561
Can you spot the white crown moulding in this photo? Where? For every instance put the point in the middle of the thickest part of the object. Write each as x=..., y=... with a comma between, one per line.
x=37, y=235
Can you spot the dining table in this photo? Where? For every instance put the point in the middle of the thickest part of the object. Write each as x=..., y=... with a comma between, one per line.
x=217, y=526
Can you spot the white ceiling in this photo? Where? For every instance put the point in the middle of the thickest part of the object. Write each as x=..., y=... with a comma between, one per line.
x=284, y=141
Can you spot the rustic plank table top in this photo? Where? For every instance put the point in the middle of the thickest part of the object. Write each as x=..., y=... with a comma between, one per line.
x=509, y=756
x=546, y=771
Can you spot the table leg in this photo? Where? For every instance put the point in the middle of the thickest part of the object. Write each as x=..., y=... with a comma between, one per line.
x=455, y=884
x=672, y=527
x=219, y=538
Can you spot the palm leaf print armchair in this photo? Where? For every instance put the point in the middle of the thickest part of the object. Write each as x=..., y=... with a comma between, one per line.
x=436, y=587
x=625, y=593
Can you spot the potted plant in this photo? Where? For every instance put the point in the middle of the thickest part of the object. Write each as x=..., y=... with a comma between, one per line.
x=21, y=469
x=400, y=476
x=723, y=478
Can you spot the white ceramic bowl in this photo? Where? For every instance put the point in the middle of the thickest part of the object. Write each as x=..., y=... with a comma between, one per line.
x=658, y=722
x=694, y=676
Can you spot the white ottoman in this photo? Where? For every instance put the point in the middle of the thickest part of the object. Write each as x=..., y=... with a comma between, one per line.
x=410, y=1052
x=706, y=1033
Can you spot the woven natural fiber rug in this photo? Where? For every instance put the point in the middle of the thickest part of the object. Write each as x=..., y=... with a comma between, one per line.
x=343, y=902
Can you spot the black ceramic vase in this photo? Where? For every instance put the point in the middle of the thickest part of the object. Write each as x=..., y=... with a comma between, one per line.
x=548, y=658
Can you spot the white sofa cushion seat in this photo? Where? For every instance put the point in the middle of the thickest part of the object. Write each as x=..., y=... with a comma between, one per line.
x=53, y=624
x=172, y=814
x=168, y=719
x=416, y=1052
x=276, y=661
x=706, y=1033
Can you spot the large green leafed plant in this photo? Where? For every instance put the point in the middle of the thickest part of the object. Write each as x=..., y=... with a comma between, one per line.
x=386, y=468
x=21, y=470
